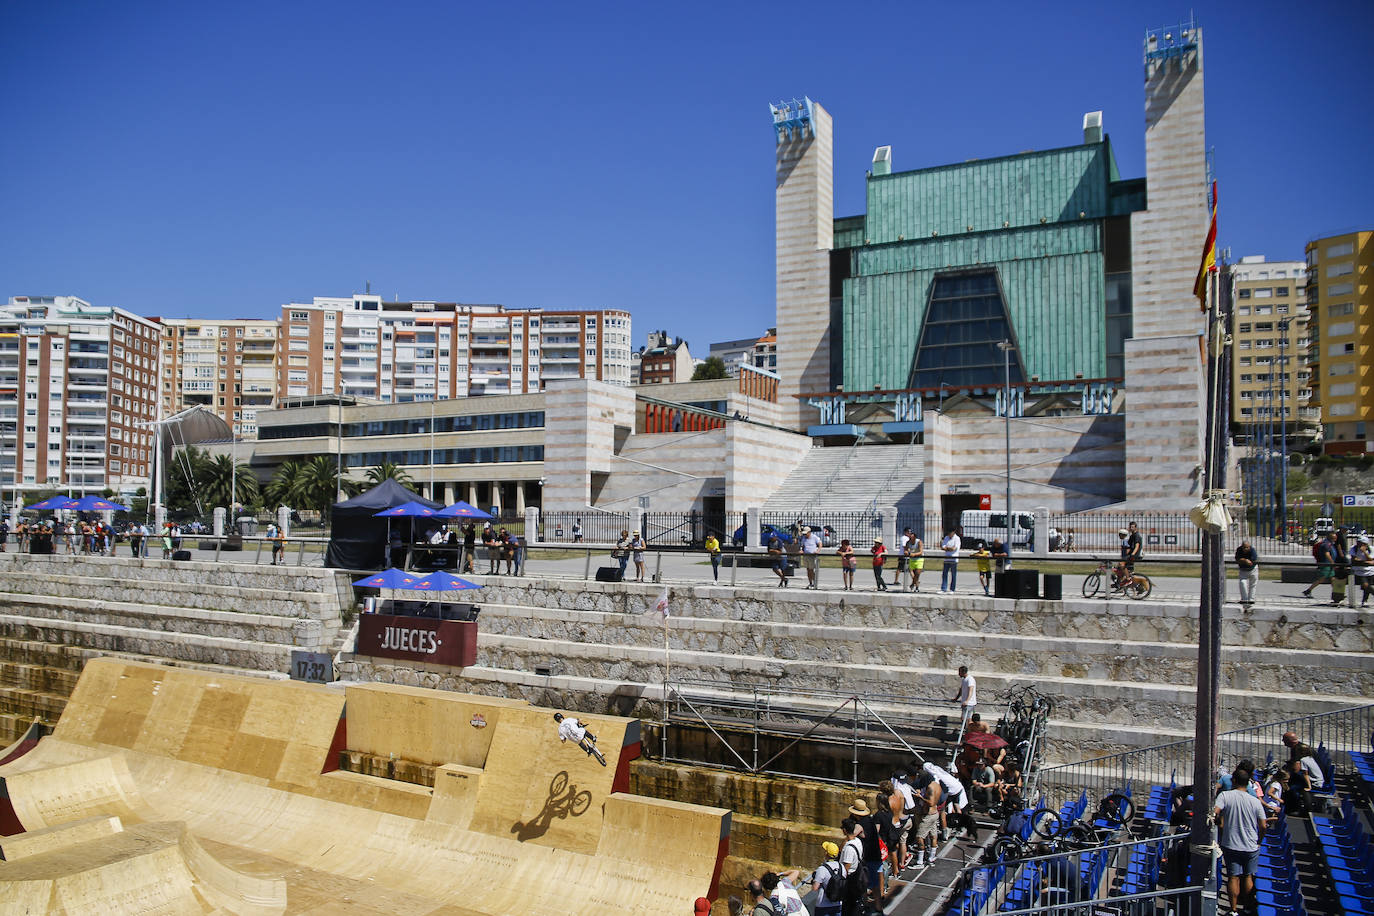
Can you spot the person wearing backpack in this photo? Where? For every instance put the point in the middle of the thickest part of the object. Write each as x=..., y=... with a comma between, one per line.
x=762, y=905
x=827, y=881
x=852, y=868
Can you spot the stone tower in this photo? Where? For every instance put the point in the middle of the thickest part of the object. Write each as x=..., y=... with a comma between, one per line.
x=805, y=232
x=1164, y=365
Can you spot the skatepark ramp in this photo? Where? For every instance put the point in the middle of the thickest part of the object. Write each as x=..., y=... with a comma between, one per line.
x=173, y=790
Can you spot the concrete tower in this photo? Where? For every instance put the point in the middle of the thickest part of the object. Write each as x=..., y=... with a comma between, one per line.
x=805, y=232
x=1165, y=383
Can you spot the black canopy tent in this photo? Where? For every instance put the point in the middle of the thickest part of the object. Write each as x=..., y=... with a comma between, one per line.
x=358, y=539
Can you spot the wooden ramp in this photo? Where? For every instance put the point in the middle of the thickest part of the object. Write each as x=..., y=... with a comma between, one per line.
x=169, y=790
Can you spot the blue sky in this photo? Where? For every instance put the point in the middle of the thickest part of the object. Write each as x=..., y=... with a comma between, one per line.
x=218, y=160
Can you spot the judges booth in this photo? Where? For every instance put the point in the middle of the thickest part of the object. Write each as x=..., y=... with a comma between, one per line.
x=432, y=632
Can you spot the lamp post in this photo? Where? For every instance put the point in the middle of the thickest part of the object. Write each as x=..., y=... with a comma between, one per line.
x=1006, y=347
x=431, y=443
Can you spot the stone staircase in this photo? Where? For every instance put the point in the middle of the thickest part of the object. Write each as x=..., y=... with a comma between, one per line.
x=846, y=479
x=1121, y=674
x=57, y=611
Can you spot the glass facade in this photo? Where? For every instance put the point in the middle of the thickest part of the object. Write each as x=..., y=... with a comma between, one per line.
x=1118, y=322
x=419, y=457
x=965, y=321
x=530, y=419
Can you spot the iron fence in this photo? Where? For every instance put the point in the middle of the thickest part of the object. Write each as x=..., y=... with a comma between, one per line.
x=859, y=528
x=596, y=527
x=925, y=525
x=1097, y=532
x=678, y=529
x=1072, y=881
x=1340, y=731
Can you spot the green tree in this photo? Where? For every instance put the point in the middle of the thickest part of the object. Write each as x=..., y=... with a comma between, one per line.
x=223, y=480
x=713, y=367
x=387, y=471
x=280, y=490
x=1298, y=482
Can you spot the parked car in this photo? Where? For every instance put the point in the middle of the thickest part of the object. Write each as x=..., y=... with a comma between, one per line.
x=766, y=533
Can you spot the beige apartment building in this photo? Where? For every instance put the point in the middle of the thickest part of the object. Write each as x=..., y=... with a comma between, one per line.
x=78, y=396
x=1270, y=377
x=228, y=367
x=1340, y=301
x=390, y=352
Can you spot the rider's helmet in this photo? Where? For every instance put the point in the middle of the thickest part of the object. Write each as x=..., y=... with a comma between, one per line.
x=558, y=717
x=1123, y=533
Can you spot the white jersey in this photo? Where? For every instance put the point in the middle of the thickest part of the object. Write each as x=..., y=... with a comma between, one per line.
x=968, y=691
x=571, y=730
x=952, y=787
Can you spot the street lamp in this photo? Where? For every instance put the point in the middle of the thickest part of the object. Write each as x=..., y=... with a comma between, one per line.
x=1006, y=347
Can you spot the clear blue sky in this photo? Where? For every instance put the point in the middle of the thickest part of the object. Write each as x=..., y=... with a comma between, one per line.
x=220, y=159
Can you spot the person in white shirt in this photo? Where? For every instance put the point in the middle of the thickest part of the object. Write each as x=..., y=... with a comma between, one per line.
x=952, y=790
x=811, y=557
x=901, y=556
x=821, y=877
x=569, y=729
x=851, y=865
x=967, y=698
x=950, y=572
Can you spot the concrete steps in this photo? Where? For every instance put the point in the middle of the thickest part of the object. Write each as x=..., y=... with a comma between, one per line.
x=842, y=479
x=156, y=644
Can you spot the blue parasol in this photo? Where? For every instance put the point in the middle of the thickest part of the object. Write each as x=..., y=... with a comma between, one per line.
x=441, y=581
x=52, y=503
x=407, y=510
x=461, y=509
x=96, y=504
x=390, y=578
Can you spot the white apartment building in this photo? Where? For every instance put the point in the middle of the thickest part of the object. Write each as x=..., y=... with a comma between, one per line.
x=400, y=352
x=78, y=394
x=227, y=367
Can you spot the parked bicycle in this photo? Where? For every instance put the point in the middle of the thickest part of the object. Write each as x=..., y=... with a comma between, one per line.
x=1134, y=585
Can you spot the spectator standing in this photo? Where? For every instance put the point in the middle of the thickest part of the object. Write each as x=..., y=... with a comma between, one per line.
x=984, y=559
x=902, y=543
x=1362, y=566
x=637, y=553
x=949, y=573
x=951, y=791
x=852, y=866
x=577, y=531
x=929, y=803
x=1247, y=572
x=1001, y=556
x=895, y=827
x=1241, y=817
x=1324, y=552
x=966, y=697
x=915, y=563
x=820, y=878
x=879, y=557
x=872, y=854
x=491, y=548
x=4, y=534
x=779, y=558
x=762, y=905
x=712, y=546
x=735, y=906
x=469, y=545
x=811, y=557
x=167, y=540
x=1340, y=573
x=517, y=551
x=847, y=564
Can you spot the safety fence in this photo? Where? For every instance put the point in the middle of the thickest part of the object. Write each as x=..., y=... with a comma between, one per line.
x=859, y=528
x=1340, y=731
x=579, y=527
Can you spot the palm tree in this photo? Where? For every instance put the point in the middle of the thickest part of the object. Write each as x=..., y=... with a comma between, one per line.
x=284, y=484
x=387, y=471
x=317, y=484
x=220, y=480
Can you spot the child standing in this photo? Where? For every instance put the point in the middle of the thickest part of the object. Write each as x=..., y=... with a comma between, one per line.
x=984, y=559
x=879, y=557
x=847, y=564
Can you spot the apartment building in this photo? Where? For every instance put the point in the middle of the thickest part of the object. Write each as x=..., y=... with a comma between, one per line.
x=227, y=367
x=663, y=360
x=398, y=352
x=1340, y=303
x=759, y=352
x=78, y=394
x=1270, y=376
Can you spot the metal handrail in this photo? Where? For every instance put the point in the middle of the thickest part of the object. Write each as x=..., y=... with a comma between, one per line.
x=825, y=487
x=892, y=475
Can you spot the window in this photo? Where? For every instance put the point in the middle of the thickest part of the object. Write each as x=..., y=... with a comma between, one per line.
x=1243, y=293
x=1343, y=269
x=1340, y=308
x=1280, y=291
x=1340, y=289
x=1245, y=328
x=1341, y=250
x=1263, y=293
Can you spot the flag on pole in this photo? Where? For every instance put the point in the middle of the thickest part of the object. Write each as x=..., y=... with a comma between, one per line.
x=661, y=605
x=1209, y=255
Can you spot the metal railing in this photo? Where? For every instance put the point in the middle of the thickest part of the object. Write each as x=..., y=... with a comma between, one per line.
x=1341, y=731
x=870, y=728
x=597, y=527
x=858, y=527
x=1078, y=881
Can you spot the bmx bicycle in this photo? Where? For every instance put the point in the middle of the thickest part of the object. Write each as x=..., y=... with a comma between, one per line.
x=1113, y=811
x=1136, y=585
x=589, y=745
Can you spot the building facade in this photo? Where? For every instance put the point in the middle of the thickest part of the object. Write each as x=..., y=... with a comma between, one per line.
x=1271, y=381
x=1340, y=305
x=759, y=352
x=227, y=367
x=1027, y=284
x=78, y=396
x=663, y=360
x=399, y=352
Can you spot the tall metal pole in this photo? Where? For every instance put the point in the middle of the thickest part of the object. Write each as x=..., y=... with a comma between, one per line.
x=1006, y=347
x=1283, y=429
x=431, y=443
x=1202, y=838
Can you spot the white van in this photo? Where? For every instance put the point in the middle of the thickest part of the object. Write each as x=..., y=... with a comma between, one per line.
x=980, y=526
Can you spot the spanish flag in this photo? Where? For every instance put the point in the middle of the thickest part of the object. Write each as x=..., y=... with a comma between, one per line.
x=1209, y=256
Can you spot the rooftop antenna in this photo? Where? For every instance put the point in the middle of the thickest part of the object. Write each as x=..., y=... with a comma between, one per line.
x=368, y=285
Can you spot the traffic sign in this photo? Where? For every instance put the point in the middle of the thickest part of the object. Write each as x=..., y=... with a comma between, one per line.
x=1351, y=500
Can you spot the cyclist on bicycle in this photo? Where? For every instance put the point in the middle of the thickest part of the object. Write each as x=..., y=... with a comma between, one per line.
x=569, y=729
x=1130, y=552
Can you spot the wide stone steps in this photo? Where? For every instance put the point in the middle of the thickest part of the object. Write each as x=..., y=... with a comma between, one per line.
x=157, y=644
x=193, y=595
x=258, y=628
x=1243, y=667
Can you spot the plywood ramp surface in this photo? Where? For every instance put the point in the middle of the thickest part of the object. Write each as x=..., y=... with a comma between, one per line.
x=536, y=829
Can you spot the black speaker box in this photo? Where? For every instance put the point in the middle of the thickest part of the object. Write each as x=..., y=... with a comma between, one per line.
x=181, y=555
x=609, y=574
x=1027, y=583
x=1004, y=585
x=1054, y=587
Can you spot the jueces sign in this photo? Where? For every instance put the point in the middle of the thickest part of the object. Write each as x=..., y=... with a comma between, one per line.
x=418, y=639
